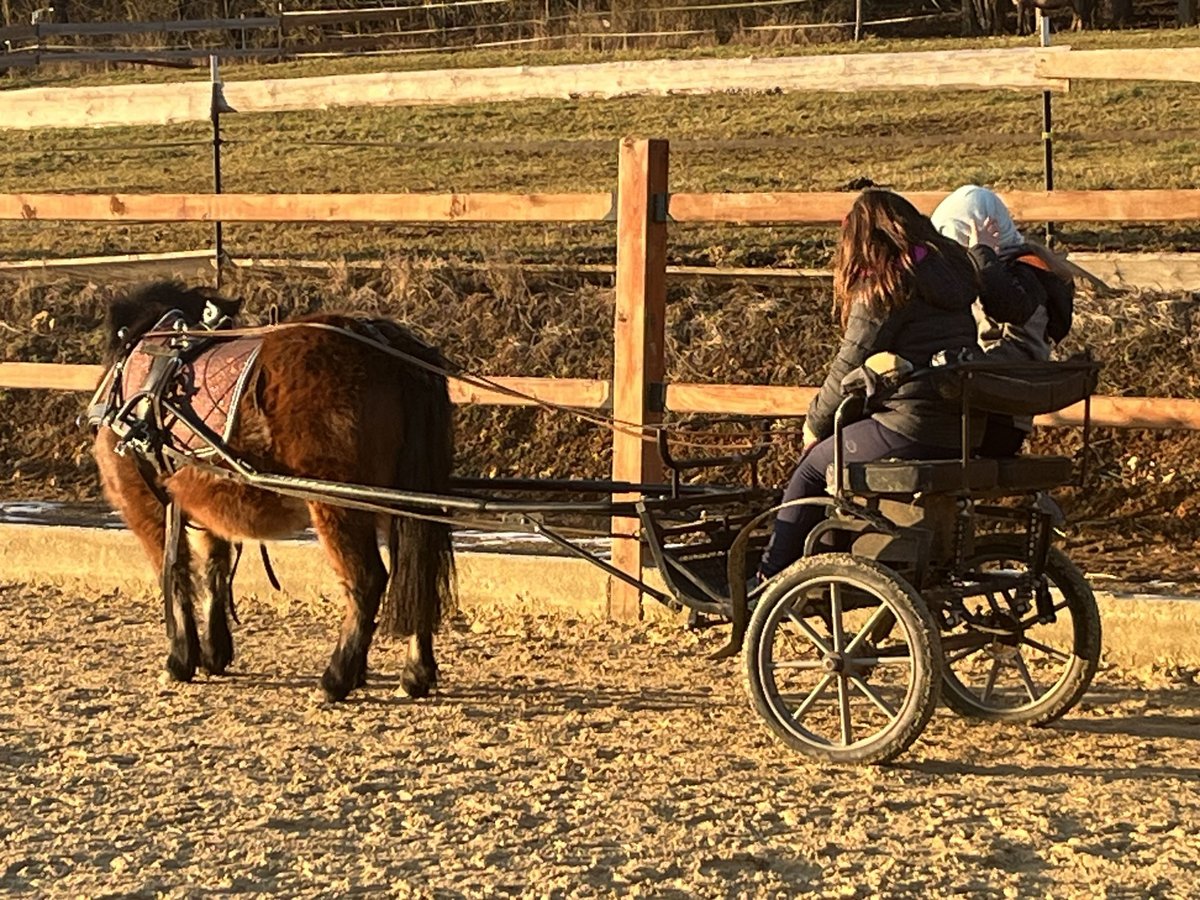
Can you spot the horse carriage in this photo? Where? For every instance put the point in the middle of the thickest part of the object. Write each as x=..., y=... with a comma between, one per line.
x=926, y=580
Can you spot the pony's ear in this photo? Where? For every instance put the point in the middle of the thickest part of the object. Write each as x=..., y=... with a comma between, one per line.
x=123, y=314
x=229, y=306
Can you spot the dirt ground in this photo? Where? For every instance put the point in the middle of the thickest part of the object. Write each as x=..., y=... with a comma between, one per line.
x=560, y=758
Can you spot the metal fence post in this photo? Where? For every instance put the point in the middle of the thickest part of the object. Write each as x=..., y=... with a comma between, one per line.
x=1043, y=23
x=639, y=335
x=218, y=105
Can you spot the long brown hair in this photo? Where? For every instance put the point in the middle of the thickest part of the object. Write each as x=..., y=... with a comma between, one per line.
x=875, y=258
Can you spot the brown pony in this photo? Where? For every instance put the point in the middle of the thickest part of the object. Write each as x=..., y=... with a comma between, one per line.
x=317, y=404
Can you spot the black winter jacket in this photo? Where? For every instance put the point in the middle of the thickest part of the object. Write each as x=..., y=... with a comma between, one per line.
x=1024, y=305
x=937, y=317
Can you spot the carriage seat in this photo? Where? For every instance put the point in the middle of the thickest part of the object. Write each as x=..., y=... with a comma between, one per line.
x=988, y=477
x=890, y=477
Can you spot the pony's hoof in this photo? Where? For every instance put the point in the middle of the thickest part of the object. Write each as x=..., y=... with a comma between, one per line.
x=335, y=687
x=418, y=681
x=216, y=659
x=179, y=670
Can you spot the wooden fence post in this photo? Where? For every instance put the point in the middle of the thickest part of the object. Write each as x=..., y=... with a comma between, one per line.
x=639, y=334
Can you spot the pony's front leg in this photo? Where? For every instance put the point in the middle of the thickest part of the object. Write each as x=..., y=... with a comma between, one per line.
x=349, y=539
x=182, y=636
x=216, y=644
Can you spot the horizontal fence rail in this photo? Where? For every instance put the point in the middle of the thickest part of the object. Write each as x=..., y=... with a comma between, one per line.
x=190, y=101
x=683, y=398
x=789, y=208
x=1019, y=68
x=1157, y=271
x=581, y=393
x=1035, y=206
x=306, y=207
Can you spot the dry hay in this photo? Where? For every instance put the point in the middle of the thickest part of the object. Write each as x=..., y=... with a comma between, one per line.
x=503, y=321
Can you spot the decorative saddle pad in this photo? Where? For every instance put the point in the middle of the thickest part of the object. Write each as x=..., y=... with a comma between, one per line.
x=213, y=381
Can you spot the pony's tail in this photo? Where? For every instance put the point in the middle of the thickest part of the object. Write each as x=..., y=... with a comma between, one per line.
x=421, y=584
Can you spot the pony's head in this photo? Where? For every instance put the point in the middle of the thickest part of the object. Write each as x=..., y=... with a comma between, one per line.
x=134, y=313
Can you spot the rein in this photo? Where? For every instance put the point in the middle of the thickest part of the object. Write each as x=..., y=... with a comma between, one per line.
x=646, y=433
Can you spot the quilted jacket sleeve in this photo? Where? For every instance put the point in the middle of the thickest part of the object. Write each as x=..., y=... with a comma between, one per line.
x=865, y=334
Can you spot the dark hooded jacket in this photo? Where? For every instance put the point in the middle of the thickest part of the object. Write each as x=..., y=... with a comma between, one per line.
x=1023, y=305
x=937, y=317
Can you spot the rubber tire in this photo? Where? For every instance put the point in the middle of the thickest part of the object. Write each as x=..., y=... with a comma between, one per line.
x=1085, y=616
x=912, y=614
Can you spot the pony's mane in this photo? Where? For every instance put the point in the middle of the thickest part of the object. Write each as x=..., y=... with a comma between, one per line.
x=136, y=312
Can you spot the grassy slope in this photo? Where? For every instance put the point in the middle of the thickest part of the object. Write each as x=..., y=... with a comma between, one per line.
x=798, y=142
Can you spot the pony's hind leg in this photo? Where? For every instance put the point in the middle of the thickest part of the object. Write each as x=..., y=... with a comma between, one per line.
x=178, y=600
x=414, y=607
x=350, y=540
x=216, y=644
x=420, y=673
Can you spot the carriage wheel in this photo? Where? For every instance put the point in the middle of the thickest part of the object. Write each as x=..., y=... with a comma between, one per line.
x=841, y=659
x=1030, y=672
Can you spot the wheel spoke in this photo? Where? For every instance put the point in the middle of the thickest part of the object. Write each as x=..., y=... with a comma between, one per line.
x=991, y=681
x=1030, y=688
x=799, y=664
x=963, y=654
x=844, y=711
x=882, y=660
x=835, y=616
x=1046, y=648
x=867, y=629
x=874, y=697
x=812, y=696
x=809, y=631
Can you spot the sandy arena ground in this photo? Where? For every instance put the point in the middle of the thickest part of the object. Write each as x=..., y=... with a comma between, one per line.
x=562, y=757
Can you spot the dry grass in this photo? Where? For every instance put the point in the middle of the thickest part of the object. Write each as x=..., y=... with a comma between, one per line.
x=784, y=142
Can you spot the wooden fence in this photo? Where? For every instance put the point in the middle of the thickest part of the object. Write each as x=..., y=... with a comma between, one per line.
x=397, y=29
x=1022, y=68
x=644, y=210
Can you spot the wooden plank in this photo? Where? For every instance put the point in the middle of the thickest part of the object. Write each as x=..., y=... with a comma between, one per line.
x=1034, y=206
x=1157, y=413
x=177, y=26
x=154, y=104
x=1156, y=64
x=811, y=208
x=342, y=16
x=584, y=393
x=639, y=345
x=49, y=376
x=306, y=207
x=196, y=264
x=1145, y=271
x=739, y=399
x=1104, y=206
